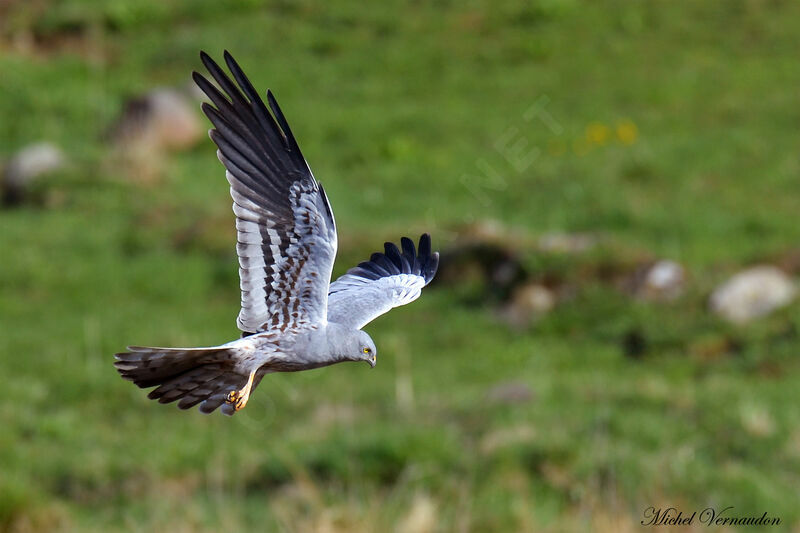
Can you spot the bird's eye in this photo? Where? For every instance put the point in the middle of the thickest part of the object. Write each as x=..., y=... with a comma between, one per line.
x=366, y=350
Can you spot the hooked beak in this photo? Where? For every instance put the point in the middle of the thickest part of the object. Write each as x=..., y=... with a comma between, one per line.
x=372, y=361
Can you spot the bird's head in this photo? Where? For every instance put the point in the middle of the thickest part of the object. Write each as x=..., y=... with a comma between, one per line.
x=366, y=349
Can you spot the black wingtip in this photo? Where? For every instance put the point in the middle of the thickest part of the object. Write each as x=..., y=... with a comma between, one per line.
x=411, y=260
x=408, y=247
x=392, y=253
x=228, y=57
x=208, y=109
x=273, y=101
x=207, y=60
x=431, y=267
x=424, y=248
x=276, y=109
x=284, y=125
x=429, y=261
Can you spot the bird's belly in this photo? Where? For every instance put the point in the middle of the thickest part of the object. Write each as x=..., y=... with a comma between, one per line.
x=287, y=365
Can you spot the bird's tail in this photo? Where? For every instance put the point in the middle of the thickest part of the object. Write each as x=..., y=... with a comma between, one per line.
x=191, y=375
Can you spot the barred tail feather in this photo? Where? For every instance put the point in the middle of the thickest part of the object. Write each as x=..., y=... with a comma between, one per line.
x=194, y=376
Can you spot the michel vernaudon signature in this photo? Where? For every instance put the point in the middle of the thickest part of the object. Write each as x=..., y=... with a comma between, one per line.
x=670, y=516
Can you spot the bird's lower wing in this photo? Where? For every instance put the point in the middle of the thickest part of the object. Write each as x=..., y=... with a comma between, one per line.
x=387, y=280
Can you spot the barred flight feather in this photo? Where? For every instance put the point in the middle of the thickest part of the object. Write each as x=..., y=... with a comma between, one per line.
x=282, y=213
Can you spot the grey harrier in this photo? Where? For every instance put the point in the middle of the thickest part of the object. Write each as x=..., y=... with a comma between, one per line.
x=292, y=317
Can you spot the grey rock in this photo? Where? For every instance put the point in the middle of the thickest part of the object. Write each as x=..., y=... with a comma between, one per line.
x=528, y=302
x=26, y=166
x=162, y=118
x=663, y=280
x=753, y=293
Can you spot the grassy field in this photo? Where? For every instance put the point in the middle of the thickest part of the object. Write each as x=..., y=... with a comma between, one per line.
x=666, y=129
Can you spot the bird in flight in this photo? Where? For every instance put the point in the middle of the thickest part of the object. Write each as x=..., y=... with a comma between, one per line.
x=292, y=317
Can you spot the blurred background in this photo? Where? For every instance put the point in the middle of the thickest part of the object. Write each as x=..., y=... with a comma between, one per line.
x=614, y=190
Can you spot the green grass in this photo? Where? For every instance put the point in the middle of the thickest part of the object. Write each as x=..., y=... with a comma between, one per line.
x=676, y=135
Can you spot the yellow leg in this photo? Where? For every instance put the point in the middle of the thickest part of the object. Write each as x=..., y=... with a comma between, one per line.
x=239, y=397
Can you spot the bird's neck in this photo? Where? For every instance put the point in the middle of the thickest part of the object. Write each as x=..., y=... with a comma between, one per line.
x=338, y=341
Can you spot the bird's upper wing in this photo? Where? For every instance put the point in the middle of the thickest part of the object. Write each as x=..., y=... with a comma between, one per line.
x=387, y=280
x=286, y=231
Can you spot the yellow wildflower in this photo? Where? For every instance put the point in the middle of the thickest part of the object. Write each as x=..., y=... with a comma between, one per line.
x=627, y=132
x=597, y=133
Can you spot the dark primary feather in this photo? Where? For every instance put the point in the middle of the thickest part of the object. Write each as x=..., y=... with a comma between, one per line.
x=390, y=279
x=420, y=262
x=263, y=156
x=285, y=227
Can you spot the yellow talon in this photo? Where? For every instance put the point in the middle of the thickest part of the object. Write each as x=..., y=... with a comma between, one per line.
x=239, y=397
x=241, y=403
